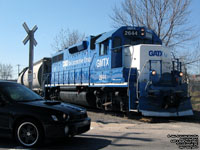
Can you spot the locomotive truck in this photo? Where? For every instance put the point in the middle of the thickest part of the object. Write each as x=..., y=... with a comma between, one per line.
x=126, y=69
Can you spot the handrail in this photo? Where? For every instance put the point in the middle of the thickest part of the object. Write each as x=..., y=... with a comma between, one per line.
x=129, y=73
x=123, y=46
x=139, y=77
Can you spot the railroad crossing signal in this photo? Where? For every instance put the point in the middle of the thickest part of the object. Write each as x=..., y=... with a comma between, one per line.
x=30, y=33
x=32, y=43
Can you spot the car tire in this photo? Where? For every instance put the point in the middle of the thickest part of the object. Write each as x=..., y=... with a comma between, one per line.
x=29, y=133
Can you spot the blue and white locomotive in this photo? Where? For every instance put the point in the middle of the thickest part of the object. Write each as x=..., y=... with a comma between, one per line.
x=126, y=69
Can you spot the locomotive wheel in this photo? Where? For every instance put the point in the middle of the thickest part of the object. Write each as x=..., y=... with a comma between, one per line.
x=29, y=133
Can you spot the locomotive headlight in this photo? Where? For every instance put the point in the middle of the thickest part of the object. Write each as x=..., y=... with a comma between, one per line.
x=153, y=72
x=181, y=74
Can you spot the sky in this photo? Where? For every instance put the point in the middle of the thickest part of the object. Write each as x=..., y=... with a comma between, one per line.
x=87, y=16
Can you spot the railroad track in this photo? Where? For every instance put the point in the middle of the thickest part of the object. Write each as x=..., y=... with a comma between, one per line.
x=104, y=116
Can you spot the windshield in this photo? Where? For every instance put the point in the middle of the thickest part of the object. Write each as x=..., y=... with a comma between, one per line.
x=18, y=92
x=132, y=41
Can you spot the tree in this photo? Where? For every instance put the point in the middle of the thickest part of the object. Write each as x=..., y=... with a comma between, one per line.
x=191, y=60
x=66, y=38
x=168, y=18
x=5, y=71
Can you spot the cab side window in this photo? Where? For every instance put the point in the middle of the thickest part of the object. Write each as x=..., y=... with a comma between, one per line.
x=117, y=42
x=103, y=47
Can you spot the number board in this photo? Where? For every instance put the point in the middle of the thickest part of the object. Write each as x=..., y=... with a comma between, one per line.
x=131, y=33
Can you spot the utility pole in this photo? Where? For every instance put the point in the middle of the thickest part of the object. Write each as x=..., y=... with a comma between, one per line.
x=32, y=43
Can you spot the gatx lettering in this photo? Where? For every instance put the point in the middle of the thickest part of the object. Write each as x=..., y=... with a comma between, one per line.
x=102, y=62
x=155, y=53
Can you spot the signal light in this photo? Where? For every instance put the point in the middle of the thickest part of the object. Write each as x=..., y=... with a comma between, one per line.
x=142, y=31
x=153, y=72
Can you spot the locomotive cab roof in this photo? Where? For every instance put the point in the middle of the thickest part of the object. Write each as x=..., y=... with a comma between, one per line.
x=140, y=32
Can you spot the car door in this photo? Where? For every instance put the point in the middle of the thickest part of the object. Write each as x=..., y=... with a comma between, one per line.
x=4, y=115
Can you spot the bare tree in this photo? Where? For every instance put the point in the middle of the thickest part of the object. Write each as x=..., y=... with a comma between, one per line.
x=66, y=38
x=6, y=71
x=168, y=18
x=191, y=60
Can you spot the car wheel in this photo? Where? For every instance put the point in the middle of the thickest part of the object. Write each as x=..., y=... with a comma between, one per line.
x=29, y=133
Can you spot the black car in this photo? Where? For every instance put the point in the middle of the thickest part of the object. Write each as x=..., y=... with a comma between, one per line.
x=31, y=119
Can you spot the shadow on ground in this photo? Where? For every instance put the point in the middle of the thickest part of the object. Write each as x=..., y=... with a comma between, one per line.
x=76, y=143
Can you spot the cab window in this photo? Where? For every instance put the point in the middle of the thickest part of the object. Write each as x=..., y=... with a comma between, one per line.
x=103, y=48
x=116, y=45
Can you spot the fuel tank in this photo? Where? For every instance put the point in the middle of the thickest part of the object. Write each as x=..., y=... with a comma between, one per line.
x=82, y=98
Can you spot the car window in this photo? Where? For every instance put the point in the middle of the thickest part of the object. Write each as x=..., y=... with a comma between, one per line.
x=18, y=92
